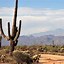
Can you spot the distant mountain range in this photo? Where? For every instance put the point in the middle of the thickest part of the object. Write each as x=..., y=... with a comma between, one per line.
x=48, y=38
x=57, y=32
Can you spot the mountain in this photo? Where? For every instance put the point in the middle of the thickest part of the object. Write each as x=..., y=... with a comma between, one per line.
x=48, y=38
x=57, y=32
x=31, y=40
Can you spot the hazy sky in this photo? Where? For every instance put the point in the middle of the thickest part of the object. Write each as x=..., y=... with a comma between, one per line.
x=36, y=15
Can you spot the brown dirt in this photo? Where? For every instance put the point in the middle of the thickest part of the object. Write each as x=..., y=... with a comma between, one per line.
x=51, y=59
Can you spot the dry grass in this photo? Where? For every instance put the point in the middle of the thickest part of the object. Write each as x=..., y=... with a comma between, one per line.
x=46, y=57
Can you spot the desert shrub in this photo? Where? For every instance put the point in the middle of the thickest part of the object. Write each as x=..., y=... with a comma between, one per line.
x=62, y=46
x=4, y=51
x=22, y=57
x=45, y=49
x=18, y=47
x=5, y=47
x=36, y=58
x=21, y=48
x=40, y=49
x=62, y=50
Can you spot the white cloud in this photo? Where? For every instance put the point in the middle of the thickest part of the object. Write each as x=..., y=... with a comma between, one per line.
x=34, y=20
x=6, y=11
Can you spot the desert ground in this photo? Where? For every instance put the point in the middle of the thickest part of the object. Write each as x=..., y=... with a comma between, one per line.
x=51, y=59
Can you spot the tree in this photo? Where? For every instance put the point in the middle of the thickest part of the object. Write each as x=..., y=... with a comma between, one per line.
x=15, y=31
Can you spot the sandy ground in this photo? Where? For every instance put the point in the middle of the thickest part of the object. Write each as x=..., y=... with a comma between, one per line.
x=51, y=59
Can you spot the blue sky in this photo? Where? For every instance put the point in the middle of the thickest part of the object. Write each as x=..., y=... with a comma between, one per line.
x=36, y=15
x=53, y=4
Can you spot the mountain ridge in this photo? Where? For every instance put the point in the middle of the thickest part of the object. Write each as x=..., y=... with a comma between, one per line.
x=57, y=32
x=47, y=39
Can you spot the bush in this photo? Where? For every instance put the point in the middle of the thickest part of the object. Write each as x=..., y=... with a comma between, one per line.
x=62, y=50
x=22, y=57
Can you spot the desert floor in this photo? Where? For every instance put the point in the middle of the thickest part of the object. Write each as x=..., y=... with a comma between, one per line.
x=51, y=59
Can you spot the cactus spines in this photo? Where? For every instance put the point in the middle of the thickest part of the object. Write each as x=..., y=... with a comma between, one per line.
x=15, y=30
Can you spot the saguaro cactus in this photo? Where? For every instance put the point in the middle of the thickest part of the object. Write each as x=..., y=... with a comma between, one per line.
x=15, y=31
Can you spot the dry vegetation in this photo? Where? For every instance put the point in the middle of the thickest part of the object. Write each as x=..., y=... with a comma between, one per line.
x=49, y=54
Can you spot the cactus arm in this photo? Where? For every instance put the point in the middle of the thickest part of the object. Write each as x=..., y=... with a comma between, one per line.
x=9, y=30
x=15, y=42
x=2, y=30
x=18, y=32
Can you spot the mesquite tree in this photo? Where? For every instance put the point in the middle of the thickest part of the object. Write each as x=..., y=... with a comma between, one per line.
x=13, y=38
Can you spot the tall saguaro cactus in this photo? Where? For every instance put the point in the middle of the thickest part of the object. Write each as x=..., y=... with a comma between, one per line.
x=13, y=38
